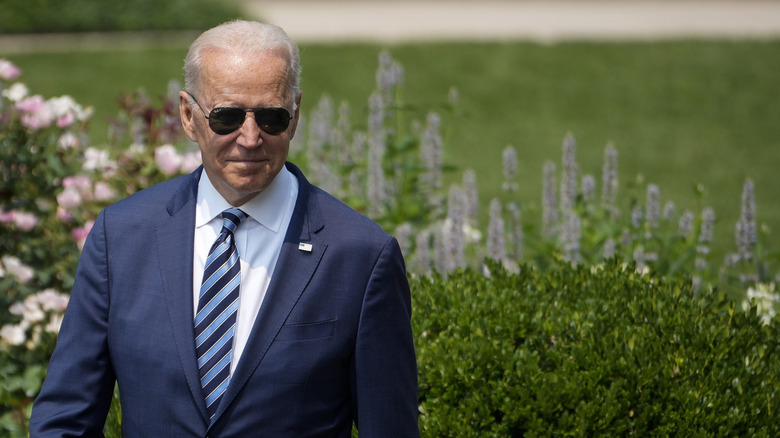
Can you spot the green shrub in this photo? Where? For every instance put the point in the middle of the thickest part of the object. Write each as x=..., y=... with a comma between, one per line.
x=589, y=351
x=112, y=15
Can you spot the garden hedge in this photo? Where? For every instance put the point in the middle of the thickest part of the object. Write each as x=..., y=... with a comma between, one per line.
x=581, y=351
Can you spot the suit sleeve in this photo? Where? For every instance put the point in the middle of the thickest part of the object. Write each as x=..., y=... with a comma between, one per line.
x=385, y=367
x=77, y=391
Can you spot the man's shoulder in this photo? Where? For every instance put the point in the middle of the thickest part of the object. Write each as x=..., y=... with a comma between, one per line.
x=335, y=214
x=157, y=196
x=346, y=220
x=339, y=221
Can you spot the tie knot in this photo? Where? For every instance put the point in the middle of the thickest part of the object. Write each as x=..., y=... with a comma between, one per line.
x=232, y=218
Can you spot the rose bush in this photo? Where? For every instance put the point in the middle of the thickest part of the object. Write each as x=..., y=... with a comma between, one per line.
x=40, y=143
x=53, y=183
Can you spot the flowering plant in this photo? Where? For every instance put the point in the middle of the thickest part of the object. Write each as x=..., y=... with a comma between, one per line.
x=53, y=184
x=26, y=346
x=41, y=141
x=395, y=175
x=41, y=144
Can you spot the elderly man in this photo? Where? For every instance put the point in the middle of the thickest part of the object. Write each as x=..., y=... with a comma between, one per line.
x=240, y=300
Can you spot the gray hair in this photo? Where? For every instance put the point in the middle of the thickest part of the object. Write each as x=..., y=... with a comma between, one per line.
x=244, y=36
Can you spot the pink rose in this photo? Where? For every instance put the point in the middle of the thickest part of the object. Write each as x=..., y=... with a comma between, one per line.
x=25, y=221
x=31, y=310
x=34, y=122
x=62, y=105
x=69, y=198
x=50, y=299
x=190, y=161
x=16, y=92
x=82, y=183
x=80, y=234
x=32, y=104
x=66, y=120
x=8, y=71
x=167, y=159
x=17, y=308
x=96, y=159
x=13, y=334
x=6, y=216
x=55, y=322
x=18, y=269
x=37, y=113
x=103, y=192
x=68, y=141
x=63, y=214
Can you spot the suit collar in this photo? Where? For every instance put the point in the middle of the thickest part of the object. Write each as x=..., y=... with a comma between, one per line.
x=307, y=216
x=185, y=194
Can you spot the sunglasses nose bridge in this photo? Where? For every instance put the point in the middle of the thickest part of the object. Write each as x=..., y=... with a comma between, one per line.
x=250, y=114
x=249, y=130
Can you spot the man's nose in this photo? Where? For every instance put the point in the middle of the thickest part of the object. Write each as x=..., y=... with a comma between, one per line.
x=249, y=134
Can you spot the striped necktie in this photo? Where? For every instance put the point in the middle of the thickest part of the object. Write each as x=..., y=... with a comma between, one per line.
x=215, y=319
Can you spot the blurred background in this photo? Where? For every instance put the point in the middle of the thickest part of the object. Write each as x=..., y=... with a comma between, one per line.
x=686, y=91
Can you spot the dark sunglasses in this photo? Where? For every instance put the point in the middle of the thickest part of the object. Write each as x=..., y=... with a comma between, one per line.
x=224, y=120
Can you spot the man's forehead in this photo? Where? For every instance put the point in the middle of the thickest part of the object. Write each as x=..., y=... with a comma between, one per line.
x=223, y=64
x=256, y=83
x=218, y=56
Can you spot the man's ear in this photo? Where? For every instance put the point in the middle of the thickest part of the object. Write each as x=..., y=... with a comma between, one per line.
x=187, y=115
x=296, y=115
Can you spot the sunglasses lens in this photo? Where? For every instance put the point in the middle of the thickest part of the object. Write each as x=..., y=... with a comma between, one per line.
x=226, y=120
x=273, y=120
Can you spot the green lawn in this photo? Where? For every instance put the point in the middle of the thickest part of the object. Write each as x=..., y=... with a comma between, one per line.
x=680, y=113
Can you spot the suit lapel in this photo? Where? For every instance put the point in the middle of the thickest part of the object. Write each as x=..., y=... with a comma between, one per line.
x=175, y=244
x=292, y=273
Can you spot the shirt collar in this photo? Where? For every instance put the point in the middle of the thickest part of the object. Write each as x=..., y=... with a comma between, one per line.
x=267, y=208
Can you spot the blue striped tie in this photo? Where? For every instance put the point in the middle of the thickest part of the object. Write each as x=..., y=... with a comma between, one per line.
x=215, y=320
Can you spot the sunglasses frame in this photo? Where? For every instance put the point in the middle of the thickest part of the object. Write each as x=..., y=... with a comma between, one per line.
x=213, y=119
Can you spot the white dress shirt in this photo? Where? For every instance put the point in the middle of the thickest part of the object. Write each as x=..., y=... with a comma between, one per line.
x=258, y=241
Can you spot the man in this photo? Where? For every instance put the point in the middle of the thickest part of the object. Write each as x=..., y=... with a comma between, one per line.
x=305, y=332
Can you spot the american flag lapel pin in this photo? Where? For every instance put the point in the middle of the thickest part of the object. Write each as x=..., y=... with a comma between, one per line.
x=304, y=247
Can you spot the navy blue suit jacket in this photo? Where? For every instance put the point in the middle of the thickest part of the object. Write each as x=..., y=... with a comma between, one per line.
x=332, y=343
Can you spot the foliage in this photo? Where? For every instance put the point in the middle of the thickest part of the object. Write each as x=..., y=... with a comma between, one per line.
x=582, y=223
x=52, y=186
x=680, y=112
x=394, y=170
x=589, y=351
x=25, y=349
x=112, y=15
x=39, y=144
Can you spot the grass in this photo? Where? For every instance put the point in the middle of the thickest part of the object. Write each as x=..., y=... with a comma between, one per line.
x=680, y=113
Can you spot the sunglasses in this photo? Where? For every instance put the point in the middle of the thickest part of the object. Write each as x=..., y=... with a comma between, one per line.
x=225, y=119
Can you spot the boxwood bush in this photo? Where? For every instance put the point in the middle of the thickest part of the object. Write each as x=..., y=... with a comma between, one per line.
x=590, y=351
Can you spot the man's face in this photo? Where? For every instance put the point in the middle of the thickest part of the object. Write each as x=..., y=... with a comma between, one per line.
x=244, y=162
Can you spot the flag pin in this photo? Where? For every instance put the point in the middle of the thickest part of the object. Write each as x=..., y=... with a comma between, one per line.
x=304, y=247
